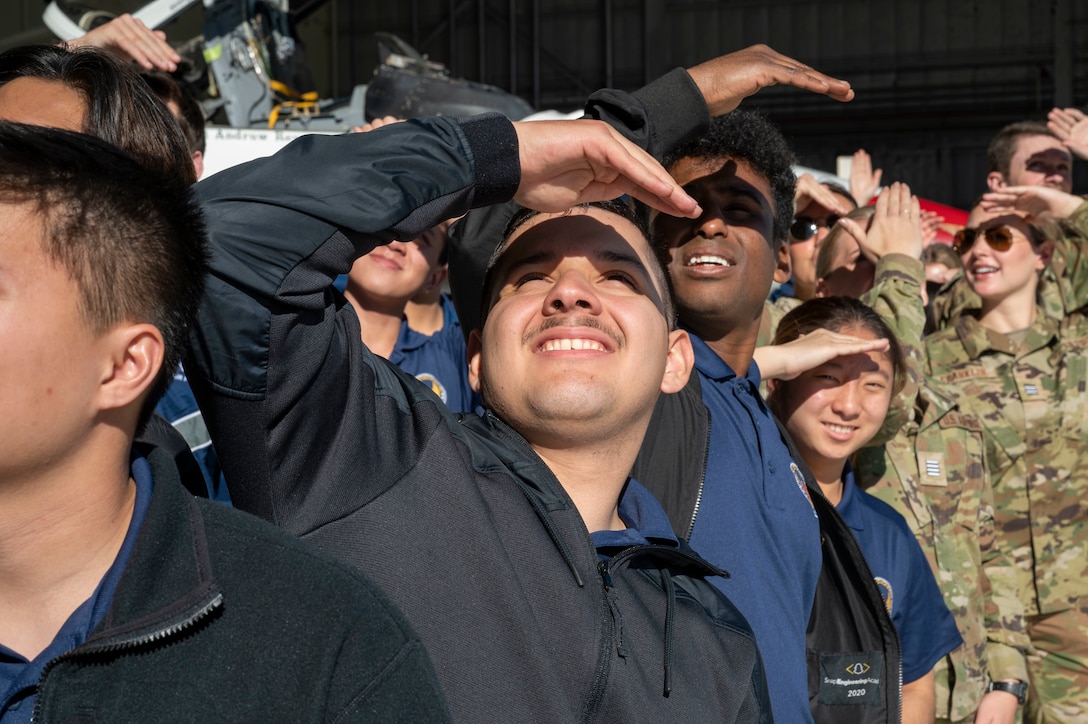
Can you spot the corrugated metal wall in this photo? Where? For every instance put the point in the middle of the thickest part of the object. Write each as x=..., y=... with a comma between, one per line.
x=934, y=78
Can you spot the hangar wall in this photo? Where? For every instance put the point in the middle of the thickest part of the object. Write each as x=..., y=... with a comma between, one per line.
x=934, y=78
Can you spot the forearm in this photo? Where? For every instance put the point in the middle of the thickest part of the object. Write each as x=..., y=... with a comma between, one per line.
x=920, y=701
x=897, y=297
x=656, y=117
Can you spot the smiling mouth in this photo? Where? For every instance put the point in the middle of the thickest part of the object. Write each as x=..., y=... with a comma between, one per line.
x=840, y=431
x=567, y=344
x=984, y=270
x=709, y=260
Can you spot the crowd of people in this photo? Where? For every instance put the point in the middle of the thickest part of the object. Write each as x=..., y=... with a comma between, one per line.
x=690, y=438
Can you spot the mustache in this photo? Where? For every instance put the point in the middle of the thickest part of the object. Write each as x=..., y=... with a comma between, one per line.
x=584, y=321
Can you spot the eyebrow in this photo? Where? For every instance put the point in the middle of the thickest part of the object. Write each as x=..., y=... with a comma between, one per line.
x=548, y=256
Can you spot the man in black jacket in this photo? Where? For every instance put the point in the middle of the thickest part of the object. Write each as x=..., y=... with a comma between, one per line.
x=122, y=598
x=546, y=584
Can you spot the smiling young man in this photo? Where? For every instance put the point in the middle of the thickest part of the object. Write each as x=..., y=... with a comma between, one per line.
x=546, y=584
x=716, y=457
x=113, y=580
x=1028, y=153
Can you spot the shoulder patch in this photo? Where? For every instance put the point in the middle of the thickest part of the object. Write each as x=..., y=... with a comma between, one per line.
x=431, y=381
x=800, y=480
x=885, y=592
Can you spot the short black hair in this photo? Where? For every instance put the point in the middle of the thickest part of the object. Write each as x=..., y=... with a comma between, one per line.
x=1003, y=146
x=619, y=207
x=190, y=115
x=748, y=136
x=130, y=237
x=120, y=106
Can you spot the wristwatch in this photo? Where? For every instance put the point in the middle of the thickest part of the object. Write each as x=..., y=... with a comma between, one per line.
x=1019, y=689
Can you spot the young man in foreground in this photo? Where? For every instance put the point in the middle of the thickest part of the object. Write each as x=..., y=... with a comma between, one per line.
x=113, y=581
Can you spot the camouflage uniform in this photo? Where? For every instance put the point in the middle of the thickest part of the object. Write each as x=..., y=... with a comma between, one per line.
x=1031, y=396
x=953, y=298
x=934, y=473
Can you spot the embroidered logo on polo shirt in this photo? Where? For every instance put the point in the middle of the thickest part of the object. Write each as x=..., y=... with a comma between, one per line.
x=431, y=381
x=885, y=592
x=800, y=479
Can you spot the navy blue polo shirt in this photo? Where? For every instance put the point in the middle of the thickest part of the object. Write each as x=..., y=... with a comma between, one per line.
x=438, y=360
x=756, y=521
x=927, y=631
x=645, y=519
x=19, y=677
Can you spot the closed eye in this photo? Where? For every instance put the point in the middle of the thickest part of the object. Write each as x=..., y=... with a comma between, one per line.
x=623, y=277
x=528, y=278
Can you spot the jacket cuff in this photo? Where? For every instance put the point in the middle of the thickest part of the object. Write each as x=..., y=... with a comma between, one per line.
x=902, y=266
x=675, y=108
x=494, y=146
x=1005, y=662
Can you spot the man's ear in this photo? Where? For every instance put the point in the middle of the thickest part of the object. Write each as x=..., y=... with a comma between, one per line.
x=198, y=163
x=995, y=180
x=475, y=346
x=783, y=269
x=135, y=353
x=821, y=288
x=679, y=362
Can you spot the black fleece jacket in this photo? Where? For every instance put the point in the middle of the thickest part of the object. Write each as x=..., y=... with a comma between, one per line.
x=221, y=617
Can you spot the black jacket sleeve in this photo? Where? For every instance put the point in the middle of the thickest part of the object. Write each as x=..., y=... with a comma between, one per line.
x=656, y=117
x=276, y=358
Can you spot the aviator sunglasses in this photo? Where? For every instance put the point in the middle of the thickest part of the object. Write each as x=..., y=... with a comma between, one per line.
x=804, y=228
x=999, y=238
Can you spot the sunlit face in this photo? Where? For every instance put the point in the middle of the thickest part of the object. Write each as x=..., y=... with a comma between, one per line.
x=40, y=102
x=48, y=372
x=803, y=251
x=722, y=263
x=398, y=270
x=851, y=274
x=997, y=275
x=835, y=409
x=576, y=337
x=1041, y=161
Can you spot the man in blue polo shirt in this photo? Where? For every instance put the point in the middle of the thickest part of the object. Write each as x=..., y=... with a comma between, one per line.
x=715, y=456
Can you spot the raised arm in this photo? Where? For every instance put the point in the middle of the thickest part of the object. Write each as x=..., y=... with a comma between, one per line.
x=277, y=362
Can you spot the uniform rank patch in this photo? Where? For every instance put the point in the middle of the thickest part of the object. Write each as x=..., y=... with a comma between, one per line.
x=1030, y=389
x=931, y=469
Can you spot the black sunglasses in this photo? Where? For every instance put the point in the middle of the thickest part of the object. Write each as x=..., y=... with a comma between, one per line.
x=804, y=228
x=999, y=238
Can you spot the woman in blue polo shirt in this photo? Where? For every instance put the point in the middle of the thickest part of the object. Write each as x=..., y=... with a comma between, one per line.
x=832, y=411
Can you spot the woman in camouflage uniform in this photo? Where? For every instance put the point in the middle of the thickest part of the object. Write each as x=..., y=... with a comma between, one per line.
x=1020, y=367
